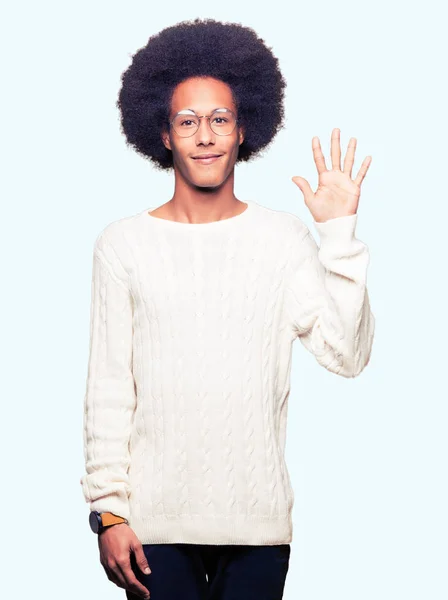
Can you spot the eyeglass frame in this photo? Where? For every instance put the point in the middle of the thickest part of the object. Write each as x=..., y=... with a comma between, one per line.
x=208, y=117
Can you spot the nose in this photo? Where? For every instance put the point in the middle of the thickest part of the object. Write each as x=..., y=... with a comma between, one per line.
x=204, y=134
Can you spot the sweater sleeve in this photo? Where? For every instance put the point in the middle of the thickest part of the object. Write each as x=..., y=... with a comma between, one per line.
x=109, y=400
x=327, y=298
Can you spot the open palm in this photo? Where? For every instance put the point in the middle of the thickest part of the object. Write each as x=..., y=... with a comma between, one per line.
x=337, y=195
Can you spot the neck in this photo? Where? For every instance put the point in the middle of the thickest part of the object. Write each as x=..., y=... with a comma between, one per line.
x=198, y=204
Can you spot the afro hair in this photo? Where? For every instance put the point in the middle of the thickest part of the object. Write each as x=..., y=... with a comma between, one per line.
x=229, y=52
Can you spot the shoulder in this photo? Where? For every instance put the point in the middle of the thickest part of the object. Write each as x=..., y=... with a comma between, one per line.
x=111, y=243
x=114, y=232
x=116, y=236
x=284, y=223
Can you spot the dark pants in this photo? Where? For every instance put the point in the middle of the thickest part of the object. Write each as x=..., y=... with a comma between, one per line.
x=208, y=572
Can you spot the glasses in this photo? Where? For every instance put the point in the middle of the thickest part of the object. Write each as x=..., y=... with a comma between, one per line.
x=222, y=121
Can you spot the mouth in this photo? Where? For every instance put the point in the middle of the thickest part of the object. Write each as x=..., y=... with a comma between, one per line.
x=207, y=159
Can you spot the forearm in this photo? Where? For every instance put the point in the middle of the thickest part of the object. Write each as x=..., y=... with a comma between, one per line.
x=109, y=400
x=328, y=299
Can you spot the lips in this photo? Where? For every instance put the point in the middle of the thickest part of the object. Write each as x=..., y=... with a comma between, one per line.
x=207, y=159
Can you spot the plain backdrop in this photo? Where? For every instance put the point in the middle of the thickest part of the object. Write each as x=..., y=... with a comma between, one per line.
x=367, y=457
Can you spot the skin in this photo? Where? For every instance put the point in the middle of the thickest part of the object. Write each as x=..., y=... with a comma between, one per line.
x=337, y=195
x=116, y=544
x=202, y=193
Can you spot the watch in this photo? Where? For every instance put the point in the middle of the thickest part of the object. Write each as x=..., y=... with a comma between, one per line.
x=99, y=521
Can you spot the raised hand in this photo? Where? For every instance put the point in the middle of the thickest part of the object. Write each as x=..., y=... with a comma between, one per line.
x=337, y=195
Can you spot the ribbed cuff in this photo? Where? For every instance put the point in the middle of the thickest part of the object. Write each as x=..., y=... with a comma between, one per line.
x=114, y=503
x=337, y=232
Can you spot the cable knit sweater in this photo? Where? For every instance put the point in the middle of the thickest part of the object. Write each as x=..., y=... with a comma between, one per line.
x=191, y=334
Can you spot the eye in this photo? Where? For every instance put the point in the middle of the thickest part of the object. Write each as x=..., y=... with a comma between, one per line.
x=184, y=122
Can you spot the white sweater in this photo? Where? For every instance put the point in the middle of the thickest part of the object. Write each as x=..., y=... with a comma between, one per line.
x=188, y=380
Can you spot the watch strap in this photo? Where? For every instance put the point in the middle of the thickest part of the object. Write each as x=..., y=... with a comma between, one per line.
x=108, y=518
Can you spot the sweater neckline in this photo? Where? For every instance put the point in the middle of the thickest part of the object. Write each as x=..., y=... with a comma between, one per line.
x=211, y=224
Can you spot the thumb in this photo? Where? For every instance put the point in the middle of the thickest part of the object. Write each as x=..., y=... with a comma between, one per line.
x=140, y=559
x=304, y=187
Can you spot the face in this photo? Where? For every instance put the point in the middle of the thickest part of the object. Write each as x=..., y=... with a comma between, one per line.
x=203, y=95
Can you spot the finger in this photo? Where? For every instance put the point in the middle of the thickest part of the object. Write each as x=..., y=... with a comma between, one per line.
x=132, y=583
x=304, y=187
x=318, y=156
x=350, y=157
x=363, y=170
x=336, y=149
x=140, y=558
x=114, y=574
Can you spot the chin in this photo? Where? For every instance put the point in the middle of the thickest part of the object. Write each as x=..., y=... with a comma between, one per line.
x=208, y=181
x=207, y=185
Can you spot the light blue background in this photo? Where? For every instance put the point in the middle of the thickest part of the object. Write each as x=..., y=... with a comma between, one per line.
x=367, y=457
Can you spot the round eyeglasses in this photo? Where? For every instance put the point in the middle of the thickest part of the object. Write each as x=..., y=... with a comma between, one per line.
x=222, y=121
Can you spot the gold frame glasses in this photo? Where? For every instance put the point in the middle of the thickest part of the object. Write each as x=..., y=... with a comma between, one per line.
x=187, y=111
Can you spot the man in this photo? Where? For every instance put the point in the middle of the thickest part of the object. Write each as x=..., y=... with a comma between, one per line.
x=195, y=305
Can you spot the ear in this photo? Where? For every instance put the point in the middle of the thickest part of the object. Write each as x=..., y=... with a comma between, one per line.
x=241, y=135
x=166, y=139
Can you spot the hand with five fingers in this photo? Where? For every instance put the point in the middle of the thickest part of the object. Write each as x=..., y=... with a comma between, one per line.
x=337, y=195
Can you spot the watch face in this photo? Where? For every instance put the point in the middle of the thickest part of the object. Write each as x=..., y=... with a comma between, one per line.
x=95, y=521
